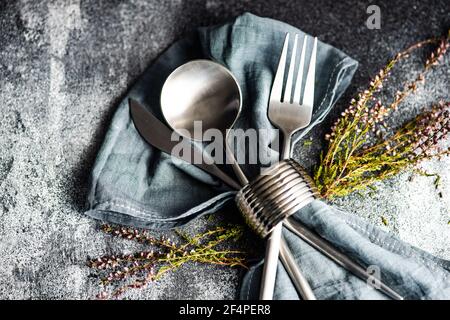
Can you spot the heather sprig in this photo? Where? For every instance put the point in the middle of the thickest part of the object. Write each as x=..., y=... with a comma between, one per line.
x=417, y=140
x=357, y=155
x=164, y=255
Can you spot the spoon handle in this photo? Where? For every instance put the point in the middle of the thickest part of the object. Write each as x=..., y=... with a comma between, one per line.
x=300, y=282
x=274, y=245
x=215, y=171
x=340, y=258
x=235, y=165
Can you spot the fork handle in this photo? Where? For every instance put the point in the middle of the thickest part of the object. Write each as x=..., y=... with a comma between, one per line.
x=273, y=245
x=286, y=150
x=270, y=263
x=338, y=257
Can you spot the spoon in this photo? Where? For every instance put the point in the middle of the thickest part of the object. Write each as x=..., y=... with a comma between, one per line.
x=203, y=90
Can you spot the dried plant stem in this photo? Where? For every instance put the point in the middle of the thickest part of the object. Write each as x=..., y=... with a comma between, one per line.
x=352, y=160
x=146, y=266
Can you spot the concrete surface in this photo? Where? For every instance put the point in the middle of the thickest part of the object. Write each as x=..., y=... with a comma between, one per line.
x=65, y=64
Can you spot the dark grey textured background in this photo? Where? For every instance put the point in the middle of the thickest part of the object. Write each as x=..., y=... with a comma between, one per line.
x=65, y=64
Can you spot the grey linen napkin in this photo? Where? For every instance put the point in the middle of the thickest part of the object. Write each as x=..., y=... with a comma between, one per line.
x=135, y=184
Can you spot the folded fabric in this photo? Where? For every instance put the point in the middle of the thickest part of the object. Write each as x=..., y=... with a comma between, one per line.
x=135, y=184
x=411, y=272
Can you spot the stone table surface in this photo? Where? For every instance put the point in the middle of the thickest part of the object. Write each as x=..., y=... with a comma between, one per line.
x=64, y=65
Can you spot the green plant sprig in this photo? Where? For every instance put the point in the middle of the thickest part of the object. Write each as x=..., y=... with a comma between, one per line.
x=386, y=158
x=143, y=267
x=357, y=156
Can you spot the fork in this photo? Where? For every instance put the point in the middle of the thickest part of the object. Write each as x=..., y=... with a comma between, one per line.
x=289, y=115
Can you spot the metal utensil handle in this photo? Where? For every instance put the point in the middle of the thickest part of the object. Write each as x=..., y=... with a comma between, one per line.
x=270, y=263
x=263, y=206
x=299, y=280
x=287, y=258
x=344, y=261
x=265, y=202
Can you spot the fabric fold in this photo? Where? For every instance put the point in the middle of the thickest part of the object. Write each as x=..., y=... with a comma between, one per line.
x=411, y=272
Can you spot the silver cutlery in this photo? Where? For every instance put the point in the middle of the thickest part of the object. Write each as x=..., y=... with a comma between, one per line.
x=157, y=134
x=271, y=197
x=163, y=138
x=299, y=280
x=205, y=91
x=288, y=114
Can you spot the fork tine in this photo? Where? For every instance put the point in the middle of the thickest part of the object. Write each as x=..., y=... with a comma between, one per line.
x=298, y=83
x=308, y=96
x=290, y=78
x=277, y=86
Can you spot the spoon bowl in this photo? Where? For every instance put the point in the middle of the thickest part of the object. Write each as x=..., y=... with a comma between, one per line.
x=201, y=90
